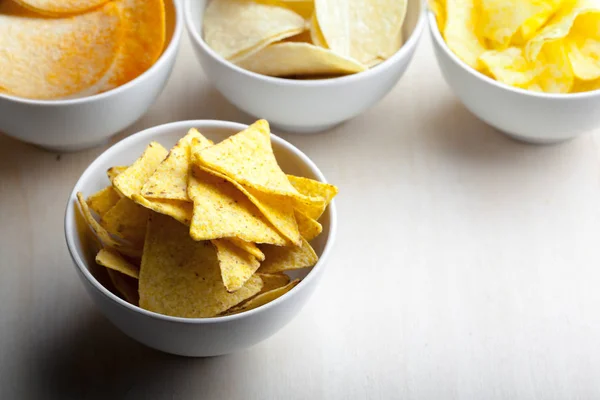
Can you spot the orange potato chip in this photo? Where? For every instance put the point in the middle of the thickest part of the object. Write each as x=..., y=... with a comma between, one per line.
x=263, y=298
x=125, y=285
x=308, y=227
x=248, y=247
x=237, y=266
x=127, y=220
x=110, y=258
x=54, y=7
x=131, y=181
x=181, y=277
x=103, y=200
x=279, y=259
x=47, y=58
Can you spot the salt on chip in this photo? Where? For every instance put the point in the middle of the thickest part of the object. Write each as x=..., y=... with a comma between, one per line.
x=47, y=58
x=459, y=31
x=308, y=227
x=127, y=220
x=248, y=247
x=295, y=58
x=110, y=258
x=112, y=172
x=103, y=200
x=273, y=281
x=131, y=181
x=583, y=46
x=263, y=298
x=279, y=259
x=53, y=7
x=181, y=277
x=222, y=211
x=124, y=285
x=169, y=181
x=237, y=266
x=312, y=188
x=236, y=28
x=181, y=211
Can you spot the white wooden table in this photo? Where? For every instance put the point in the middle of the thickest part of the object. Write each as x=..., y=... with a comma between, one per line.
x=467, y=266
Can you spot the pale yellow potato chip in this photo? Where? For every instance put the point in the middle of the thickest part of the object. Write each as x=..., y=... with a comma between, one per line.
x=237, y=266
x=279, y=259
x=248, y=247
x=181, y=211
x=312, y=188
x=103, y=200
x=361, y=29
x=102, y=234
x=308, y=227
x=555, y=72
x=54, y=7
x=110, y=258
x=295, y=58
x=509, y=66
x=144, y=35
x=47, y=58
x=131, y=181
x=127, y=220
x=273, y=281
x=112, y=172
x=263, y=298
x=315, y=33
x=279, y=210
x=234, y=28
x=125, y=285
x=459, y=31
x=439, y=10
x=583, y=46
x=169, y=181
x=222, y=211
x=181, y=277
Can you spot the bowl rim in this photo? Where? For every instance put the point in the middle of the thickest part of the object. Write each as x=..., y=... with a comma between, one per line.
x=167, y=54
x=437, y=37
x=404, y=52
x=70, y=230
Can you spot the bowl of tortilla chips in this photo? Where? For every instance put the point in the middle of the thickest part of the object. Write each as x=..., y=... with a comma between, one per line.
x=201, y=238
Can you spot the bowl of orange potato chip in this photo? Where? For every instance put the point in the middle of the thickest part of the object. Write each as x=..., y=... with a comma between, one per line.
x=74, y=73
x=529, y=68
x=305, y=65
x=201, y=238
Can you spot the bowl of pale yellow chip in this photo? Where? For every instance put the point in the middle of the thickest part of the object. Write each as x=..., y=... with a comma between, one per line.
x=530, y=69
x=308, y=65
x=76, y=73
x=201, y=238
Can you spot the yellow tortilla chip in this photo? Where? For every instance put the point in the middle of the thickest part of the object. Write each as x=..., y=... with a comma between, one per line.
x=222, y=211
x=278, y=210
x=103, y=200
x=182, y=211
x=295, y=58
x=273, y=281
x=312, y=188
x=181, y=277
x=125, y=285
x=131, y=181
x=247, y=157
x=583, y=46
x=54, y=7
x=110, y=258
x=144, y=35
x=459, y=32
x=101, y=233
x=263, y=298
x=248, y=247
x=236, y=28
x=169, y=181
x=112, y=172
x=308, y=227
x=279, y=259
x=237, y=266
x=127, y=220
x=47, y=58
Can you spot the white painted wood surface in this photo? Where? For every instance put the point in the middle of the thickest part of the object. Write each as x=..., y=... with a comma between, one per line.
x=467, y=267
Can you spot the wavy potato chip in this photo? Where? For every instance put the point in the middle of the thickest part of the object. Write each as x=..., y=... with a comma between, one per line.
x=127, y=220
x=308, y=227
x=459, y=31
x=509, y=66
x=131, y=181
x=248, y=247
x=125, y=285
x=110, y=258
x=103, y=200
x=237, y=266
x=47, y=58
x=294, y=58
x=235, y=28
x=583, y=46
x=279, y=259
x=54, y=7
x=263, y=298
x=181, y=277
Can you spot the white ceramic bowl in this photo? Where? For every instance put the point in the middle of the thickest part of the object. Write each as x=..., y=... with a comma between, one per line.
x=303, y=106
x=183, y=336
x=524, y=115
x=76, y=124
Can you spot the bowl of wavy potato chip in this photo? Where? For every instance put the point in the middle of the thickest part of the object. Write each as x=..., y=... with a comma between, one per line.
x=529, y=68
x=304, y=65
x=76, y=72
x=201, y=238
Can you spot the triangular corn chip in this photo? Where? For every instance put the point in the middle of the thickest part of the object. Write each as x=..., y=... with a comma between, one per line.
x=180, y=210
x=308, y=227
x=248, y=247
x=131, y=181
x=103, y=200
x=279, y=259
x=112, y=172
x=237, y=266
x=312, y=188
x=125, y=285
x=273, y=281
x=127, y=220
x=53, y=7
x=181, y=277
x=110, y=258
x=222, y=211
x=169, y=181
x=263, y=298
